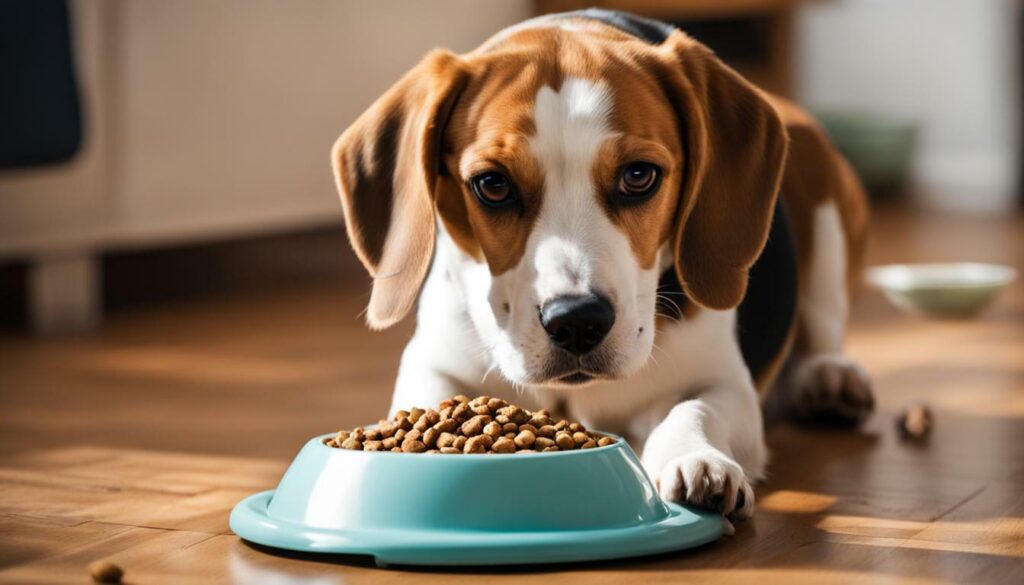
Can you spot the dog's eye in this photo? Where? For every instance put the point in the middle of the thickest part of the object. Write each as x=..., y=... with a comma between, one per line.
x=493, y=189
x=639, y=180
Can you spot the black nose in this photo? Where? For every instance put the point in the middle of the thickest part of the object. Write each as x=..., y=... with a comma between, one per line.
x=577, y=324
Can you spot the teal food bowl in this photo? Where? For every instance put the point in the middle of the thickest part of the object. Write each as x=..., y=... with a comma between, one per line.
x=420, y=509
x=960, y=289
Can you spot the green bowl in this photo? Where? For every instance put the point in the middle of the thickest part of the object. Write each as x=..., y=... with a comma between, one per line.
x=942, y=290
x=421, y=509
x=878, y=147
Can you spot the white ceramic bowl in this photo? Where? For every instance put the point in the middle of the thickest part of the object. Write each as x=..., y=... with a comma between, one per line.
x=942, y=289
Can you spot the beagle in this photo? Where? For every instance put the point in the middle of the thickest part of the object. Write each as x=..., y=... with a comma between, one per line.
x=599, y=217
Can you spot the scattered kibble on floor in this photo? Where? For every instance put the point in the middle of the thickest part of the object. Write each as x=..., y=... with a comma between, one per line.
x=106, y=572
x=916, y=422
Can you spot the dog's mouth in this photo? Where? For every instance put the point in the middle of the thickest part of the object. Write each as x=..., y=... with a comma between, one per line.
x=565, y=370
x=576, y=378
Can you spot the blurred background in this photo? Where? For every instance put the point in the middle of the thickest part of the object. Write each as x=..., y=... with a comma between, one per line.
x=135, y=128
x=168, y=218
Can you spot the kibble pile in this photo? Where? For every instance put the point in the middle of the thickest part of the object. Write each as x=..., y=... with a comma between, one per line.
x=461, y=425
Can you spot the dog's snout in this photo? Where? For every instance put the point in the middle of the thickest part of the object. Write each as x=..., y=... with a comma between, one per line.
x=577, y=324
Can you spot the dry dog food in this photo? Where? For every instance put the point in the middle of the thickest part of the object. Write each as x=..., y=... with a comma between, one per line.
x=915, y=423
x=105, y=572
x=463, y=425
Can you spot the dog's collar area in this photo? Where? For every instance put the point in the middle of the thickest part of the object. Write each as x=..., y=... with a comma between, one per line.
x=648, y=30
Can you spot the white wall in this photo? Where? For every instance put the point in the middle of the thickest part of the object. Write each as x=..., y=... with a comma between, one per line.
x=211, y=119
x=207, y=120
x=950, y=65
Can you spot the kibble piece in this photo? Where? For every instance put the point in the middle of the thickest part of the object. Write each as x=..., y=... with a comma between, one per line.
x=451, y=451
x=525, y=439
x=503, y=445
x=372, y=445
x=496, y=403
x=475, y=425
x=509, y=427
x=410, y=445
x=460, y=442
x=387, y=429
x=502, y=419
x=445, y=440
x=421, y=425
x=605, y=441
x=446, y=413
x=551, y=448
x=589, y=444
x=477, y=444
x=481, y=409
x=341, y=436
x=539, y=420
x=404, y=423
x=515, y=414
x=396, y=450
x=561, y=425
x=373, y=435
x=510, y=435
x=353, y=444
x=461, y=411
x=576, y=428
x=528, y=427
x=446, y=403
x=413, y=434
x=564, y=440
x=447, y=425
x=432, y=417
x=415, y=414
x=106, y=572
x=401, y=414
x=915, y=423
x=389, y=443
x=546, y=431
x=525, y=451
x=430, y=437
x=461, y=398
x=543, y=443
x=479, y=400
x=580, y=437
x=358, y=433
x=492, y=429
x=400, y=435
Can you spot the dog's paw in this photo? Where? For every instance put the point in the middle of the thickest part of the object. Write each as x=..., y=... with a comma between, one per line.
x=832, y=386
x=710, y=479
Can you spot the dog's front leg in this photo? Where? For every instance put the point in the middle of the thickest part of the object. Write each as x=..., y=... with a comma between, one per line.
x=709, y=448
x=421, y=380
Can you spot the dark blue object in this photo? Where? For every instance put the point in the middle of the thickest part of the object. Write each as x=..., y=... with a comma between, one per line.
x=40, y=119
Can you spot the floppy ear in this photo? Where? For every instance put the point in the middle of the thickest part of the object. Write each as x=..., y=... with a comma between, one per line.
x=386, y=166
x=735, y=148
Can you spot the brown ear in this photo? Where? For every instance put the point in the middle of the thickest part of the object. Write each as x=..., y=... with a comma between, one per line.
x=735, y=147
x=386, y=167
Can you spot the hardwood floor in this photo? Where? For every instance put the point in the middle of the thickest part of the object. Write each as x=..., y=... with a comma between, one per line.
x=133, y=444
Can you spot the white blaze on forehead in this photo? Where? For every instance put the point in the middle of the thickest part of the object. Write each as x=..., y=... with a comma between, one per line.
x=574, y=248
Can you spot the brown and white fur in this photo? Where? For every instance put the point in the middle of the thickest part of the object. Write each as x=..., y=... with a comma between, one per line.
x=560, y=106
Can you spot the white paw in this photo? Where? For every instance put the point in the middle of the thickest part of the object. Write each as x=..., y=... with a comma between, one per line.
x=832, y=385
x=710, y=479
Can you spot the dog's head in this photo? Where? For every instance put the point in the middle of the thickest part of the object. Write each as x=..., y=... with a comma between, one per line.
x=570, y=165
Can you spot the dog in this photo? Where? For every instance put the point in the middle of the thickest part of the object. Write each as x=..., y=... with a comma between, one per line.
x=599, y=217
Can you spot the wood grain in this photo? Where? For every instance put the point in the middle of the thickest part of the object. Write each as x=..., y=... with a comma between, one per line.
x=133, y=444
